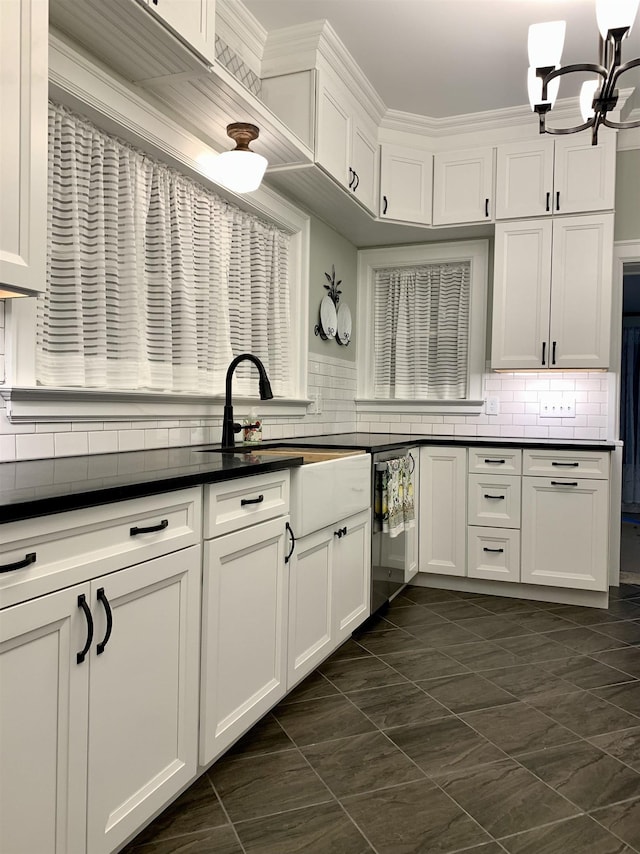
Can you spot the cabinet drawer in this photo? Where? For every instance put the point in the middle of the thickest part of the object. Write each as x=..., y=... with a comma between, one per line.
x=494, y=501
x=567, y=463
x=235, y=504
x=78, y=545
x=495, y=460
x=494, y=553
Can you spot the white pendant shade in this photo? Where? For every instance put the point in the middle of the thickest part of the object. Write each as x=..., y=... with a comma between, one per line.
x=239, y=171
x=588, y=90
x=534, y=87
x=612, y=14
x=545, y=43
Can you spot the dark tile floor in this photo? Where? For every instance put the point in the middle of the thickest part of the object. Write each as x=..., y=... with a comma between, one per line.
x=451, y=723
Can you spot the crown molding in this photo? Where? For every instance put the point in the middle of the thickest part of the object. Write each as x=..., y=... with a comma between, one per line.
x=240, y=30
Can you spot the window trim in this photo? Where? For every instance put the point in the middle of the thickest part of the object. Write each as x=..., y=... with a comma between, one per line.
x=370, y=260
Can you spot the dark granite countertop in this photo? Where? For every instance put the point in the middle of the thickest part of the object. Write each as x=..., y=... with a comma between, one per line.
x=38, y=487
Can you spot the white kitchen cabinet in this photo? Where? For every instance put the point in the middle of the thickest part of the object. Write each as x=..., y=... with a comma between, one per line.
x=406, y=184
x=463, y=186
x=443, y=510
x=193, y=21
x=552, y=293
x=566, y=175
x=99, y=742
x=24, y=34
x=351, y=575
x=244, y=632
x=494, y=553
x=565, y=532
x=494, y=500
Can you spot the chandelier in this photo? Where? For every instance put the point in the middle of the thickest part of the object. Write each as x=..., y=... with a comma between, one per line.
x=598, y=96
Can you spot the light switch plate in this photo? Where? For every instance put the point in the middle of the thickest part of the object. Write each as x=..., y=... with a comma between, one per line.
x=554, y=407
x=492, y=406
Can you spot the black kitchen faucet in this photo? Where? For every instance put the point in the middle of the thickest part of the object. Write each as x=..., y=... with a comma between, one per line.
x=229, y=427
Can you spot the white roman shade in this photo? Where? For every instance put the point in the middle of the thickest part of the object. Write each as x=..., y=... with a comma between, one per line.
x=154, y=282
x=421, y=331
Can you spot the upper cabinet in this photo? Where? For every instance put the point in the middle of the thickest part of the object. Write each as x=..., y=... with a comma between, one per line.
x=23, y=145
x=552, y=293
x=346, y=142
x=193, y=21
x=463, y=186
x=406, y=182
x=562, y=176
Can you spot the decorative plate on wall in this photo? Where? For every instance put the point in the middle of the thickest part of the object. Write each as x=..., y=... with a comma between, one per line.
x=328, y=318
x=343, y=332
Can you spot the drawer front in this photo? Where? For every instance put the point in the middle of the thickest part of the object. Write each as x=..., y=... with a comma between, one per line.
x=567, y=463
x=235, y=504
x=494, y=500
x=494, y=553
x=78, y=545
x=495, y=461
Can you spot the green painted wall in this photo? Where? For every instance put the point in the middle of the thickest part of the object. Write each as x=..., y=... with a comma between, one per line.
x=627, y=222
x=327, y=248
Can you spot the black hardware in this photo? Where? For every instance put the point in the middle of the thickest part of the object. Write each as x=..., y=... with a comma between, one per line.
x=344, y=531
x=558, y=200
x=384, y=205
x=497, y=497
x=564, y=483
x=357, y=181
x=102, y=597
x=341, y=532
x=496, y=462
x=245, y=501
x=229, y=427
x=413, y=467
x=553, y=353
x=566, y=465
x=352, y=177
x=133, y=532
x=155, y=2
x=486, y=207
x=82, y=603
x=19, y=564
x=544, y=351
x=485, y=549
x=293, y=541
x=548, y=201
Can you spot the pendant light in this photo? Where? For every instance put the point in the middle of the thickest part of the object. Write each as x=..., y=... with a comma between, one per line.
x=240, y=170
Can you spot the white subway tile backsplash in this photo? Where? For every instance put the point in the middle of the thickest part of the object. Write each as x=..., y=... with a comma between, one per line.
x=7, y=448
x=102, y=441
x=130, y=440
x=71, y=444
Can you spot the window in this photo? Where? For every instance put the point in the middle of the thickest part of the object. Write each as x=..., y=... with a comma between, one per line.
x=421, y=330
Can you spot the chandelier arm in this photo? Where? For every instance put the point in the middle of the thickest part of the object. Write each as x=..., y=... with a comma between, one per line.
x=570, y=69
x=633, y=63
x=561, y=131
x=621, y=125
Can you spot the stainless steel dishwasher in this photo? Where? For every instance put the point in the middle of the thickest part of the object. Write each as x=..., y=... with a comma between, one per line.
x=394, y=560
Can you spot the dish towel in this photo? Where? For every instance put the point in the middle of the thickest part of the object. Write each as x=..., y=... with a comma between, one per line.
x=393, y=500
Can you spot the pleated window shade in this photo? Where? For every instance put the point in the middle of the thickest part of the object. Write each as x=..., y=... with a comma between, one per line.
x=421, y=333
x=154, y=282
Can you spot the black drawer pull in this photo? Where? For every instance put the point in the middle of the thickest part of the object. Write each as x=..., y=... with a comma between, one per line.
x=548, y=200
x=558, y=200
x=497, y=551
x=102, y=597
x=341, y=532
x=553, y=352
x=245, y=501
x=133, y=532
x=486, y=207
x=564, y=483
x=544, y=352
x=20, y=564
x=496, y=497
x=566, y=465
x=495, y=462
x=82, y=603
x=384, y=205
x=293, y=542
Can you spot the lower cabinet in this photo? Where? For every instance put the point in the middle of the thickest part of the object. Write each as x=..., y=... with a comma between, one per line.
x=329, y=591
x=107, y=732
x=443, y=510
x=244, y=632
x=565, y=532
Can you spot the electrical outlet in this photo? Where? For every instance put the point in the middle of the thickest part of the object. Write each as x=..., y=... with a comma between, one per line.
x=492, y=406
x=555, y=407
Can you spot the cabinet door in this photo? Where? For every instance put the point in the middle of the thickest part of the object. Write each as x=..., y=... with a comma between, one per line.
x=364, y=163
x=333, y=130
x=585, y=174
x=521, y=294
x=43, y=725
x=351, y=583
x=310, y=595
x=193, y=21
x=244, y=640
x=143, y=694
x=406, y=181
x=23, y=144
x=524, y=179
x=412, y=535
x=462, y=186
x=564, y=532
x=581, y=291
x=494, y=553
x=443, y=510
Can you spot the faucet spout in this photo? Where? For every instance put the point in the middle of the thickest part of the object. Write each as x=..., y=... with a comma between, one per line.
x=229, y=427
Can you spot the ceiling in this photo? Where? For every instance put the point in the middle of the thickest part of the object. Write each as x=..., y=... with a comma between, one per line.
x=443, y=58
